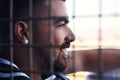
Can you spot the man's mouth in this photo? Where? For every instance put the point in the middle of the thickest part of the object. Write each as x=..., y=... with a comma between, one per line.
x=65, y=52
x=63, y=48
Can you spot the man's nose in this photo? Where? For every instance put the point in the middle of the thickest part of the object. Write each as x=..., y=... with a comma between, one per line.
x=70, y=38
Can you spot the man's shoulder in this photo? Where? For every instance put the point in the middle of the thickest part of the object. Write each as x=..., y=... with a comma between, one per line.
x=9, y=71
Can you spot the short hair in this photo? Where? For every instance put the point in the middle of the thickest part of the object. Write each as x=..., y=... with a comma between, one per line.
x=20, y=11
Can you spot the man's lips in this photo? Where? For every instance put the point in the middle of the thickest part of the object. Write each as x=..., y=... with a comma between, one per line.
x=64, y=53
x=63, y=48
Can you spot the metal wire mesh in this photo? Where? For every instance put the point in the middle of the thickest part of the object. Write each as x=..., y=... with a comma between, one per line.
x=74, y=17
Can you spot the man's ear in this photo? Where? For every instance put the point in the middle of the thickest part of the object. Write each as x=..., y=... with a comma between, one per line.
x=21, y=31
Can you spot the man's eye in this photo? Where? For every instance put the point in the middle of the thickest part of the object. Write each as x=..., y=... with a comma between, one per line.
x=61, y=23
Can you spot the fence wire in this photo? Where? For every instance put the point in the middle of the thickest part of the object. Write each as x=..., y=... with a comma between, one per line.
x=76, y=22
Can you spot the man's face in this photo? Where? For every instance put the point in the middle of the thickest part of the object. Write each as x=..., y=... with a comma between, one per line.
x=57, y=34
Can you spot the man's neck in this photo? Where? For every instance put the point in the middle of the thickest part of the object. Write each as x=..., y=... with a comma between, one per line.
x=35, y=77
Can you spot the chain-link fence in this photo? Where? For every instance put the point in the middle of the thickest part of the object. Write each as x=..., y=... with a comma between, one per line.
x=95, y=24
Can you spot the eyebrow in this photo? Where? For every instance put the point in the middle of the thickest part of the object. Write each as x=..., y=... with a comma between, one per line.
x=64, y=0
x=63, y=18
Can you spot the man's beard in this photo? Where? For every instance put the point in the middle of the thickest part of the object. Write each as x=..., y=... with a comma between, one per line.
x=55, y=59
x=59, y=62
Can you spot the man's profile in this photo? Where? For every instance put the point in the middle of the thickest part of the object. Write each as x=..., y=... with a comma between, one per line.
x=63, y=36
x=33, y=45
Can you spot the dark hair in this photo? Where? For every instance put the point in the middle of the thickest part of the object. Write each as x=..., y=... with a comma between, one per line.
x=5, y=15
x=20, y=12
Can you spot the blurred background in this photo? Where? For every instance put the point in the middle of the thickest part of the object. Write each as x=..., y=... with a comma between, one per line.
x=95, y=23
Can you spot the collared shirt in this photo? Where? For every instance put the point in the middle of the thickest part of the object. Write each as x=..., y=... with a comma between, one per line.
x=58, y=76
x=16, y=74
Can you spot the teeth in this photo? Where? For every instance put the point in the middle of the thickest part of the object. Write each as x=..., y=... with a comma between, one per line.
x=65, y=52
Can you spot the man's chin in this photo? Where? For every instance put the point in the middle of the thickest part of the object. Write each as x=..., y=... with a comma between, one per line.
x=60, y=66
x=60, y=63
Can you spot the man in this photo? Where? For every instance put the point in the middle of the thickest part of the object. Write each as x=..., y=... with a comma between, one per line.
x=41, y=35
x=41, y=59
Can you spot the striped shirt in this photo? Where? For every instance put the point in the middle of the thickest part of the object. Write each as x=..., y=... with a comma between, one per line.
x=9, y=71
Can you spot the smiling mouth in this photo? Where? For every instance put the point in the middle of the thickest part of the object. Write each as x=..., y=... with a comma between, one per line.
x=65, y=52
x=63, y=48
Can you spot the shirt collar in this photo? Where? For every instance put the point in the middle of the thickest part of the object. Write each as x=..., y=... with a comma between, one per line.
x=51, y=77
x=57, y=76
